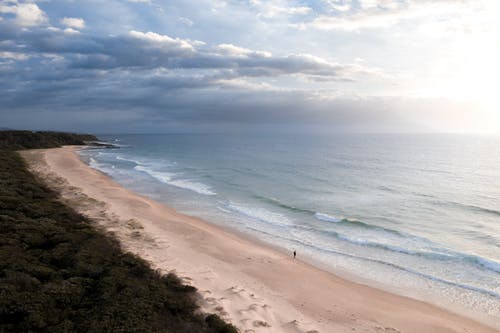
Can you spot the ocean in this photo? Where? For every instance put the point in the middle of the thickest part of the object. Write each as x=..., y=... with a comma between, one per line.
x=418, y=215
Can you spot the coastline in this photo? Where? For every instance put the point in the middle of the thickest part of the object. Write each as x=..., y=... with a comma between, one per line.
x=255, y=287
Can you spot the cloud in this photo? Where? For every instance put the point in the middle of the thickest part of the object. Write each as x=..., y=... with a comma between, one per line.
x=237, y=51
x=360, y=21
x=63, y=70
x=267, y=9
x=26, y=14
x=341, y=6
x=149, y=68
x=138, y=103
x=178, y=53
x=163, y=42
x=148, y=50
x=14, y=56
x=185, y=21
x=72, y=22
x=386, y=13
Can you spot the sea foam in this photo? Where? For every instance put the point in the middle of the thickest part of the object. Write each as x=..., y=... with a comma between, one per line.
x=259, y=213
x=168, y=178
x=327, y=218
x=120, y=158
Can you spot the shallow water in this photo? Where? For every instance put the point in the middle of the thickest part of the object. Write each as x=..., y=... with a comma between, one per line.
x=415, y=213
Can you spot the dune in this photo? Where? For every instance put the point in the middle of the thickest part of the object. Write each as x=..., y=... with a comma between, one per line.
x=253, y=286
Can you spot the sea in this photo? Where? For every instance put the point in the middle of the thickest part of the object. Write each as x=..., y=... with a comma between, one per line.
x=415, y=214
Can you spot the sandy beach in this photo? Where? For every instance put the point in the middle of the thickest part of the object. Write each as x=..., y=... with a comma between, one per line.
x=255, y=287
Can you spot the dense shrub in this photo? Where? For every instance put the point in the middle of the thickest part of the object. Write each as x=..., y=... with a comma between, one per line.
x=33, y=140
x=58, y=274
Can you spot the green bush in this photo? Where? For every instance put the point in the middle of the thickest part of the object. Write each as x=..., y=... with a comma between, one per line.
x=15, y=140
x=219, y=325
x=59, y=274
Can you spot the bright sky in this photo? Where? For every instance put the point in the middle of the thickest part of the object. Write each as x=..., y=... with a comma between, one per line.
x=344, y=65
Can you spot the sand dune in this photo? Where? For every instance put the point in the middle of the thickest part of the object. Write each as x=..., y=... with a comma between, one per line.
x=256, y=288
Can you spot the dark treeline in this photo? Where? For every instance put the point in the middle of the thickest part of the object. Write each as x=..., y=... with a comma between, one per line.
x=60, y=274
x=33, y=140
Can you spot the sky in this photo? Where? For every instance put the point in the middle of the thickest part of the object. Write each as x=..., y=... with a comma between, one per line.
x=120, y=66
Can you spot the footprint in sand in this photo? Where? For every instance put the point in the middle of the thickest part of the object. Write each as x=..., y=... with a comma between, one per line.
x=134, y=224
x=210, y=300
x=252, y=307
x=135, y=235
x=220, y=311
x=186, y=279
x=386, y=329
x=233, y=290
x=260, y=323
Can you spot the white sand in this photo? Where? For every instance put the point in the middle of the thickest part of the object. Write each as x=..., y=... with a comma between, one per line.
x=256, y=288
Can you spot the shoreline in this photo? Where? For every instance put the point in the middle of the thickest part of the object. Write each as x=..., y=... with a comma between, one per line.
x=256, y=287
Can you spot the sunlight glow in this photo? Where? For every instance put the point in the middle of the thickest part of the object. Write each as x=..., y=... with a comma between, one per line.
x=468, y=70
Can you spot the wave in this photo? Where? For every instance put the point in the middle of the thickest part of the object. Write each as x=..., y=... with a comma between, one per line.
x=483, y=209
x=324, y=216
x=168, y=178
x=164, y=177
x=227, y=211
x=105, y=143
x=281, y=204
x=395, y=266
x=258, y=213
x=438, y=279
x=359, y=224
x=468, y=207
x=327, y=218
x=487, y=263
x=388, y=189
x=427, y=252
x=426, y=248
x=246, y=171
x=94, y=164
x=430, y=253
x=120, y=158
x=98, y=165
x=107, y=168
x=199, y=188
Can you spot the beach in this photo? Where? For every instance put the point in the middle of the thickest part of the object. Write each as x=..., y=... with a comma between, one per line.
x=257, y=288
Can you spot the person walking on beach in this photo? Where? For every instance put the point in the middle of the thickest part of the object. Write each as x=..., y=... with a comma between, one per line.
x=294, y=254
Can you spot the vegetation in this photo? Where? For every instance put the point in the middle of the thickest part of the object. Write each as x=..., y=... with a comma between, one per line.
x=34, y=140
x=59, y=274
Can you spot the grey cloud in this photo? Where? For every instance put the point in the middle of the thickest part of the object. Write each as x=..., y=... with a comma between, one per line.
x=150, y=50
x=152, y=105
x=386, y=13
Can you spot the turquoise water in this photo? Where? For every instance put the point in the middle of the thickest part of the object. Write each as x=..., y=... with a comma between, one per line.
x=417, y=214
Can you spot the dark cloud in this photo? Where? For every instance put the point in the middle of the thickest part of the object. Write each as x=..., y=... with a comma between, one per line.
x=130, y=103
